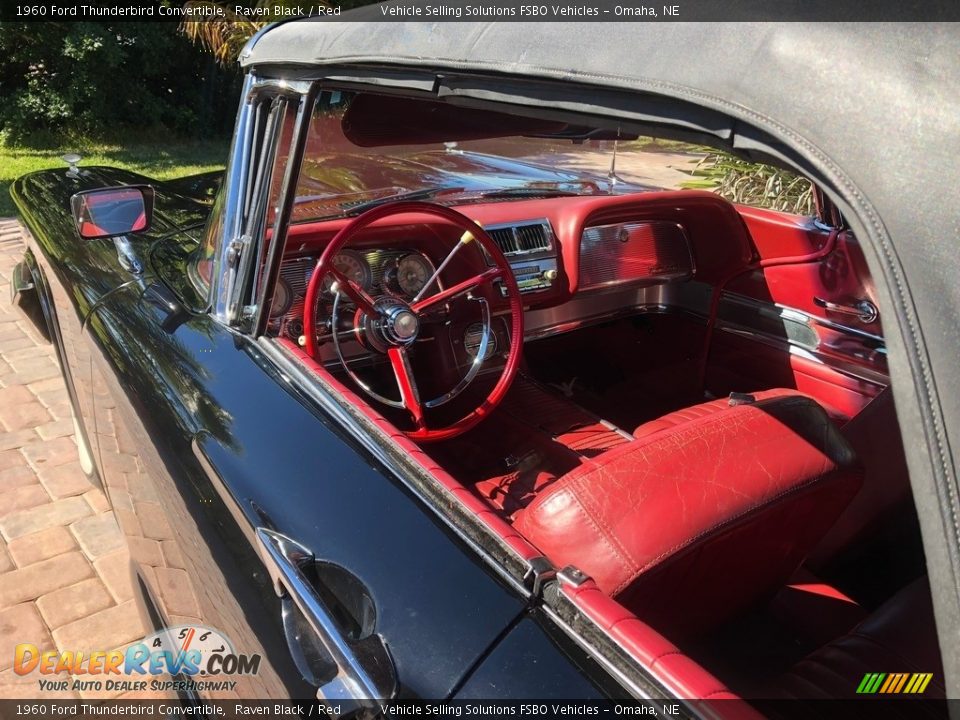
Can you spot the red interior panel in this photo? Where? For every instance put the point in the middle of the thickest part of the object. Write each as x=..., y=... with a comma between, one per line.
x=681, y=675
x=739, y=364
x=716, y=232
x=842, y=277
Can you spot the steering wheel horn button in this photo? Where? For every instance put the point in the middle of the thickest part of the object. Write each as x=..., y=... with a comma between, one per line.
x=400, y=325
x=405, y=325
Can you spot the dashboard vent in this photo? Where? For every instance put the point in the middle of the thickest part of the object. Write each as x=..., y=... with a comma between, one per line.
x=530, y=237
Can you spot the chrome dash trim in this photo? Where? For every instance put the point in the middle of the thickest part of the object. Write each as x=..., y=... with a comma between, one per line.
x=609, y=236
x=543, y=222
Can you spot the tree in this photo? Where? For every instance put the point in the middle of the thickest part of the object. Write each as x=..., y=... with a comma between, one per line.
x=96, y=79
x=224, y=34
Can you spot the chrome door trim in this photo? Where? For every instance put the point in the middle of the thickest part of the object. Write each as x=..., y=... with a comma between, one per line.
x=327, y=398
x=364, y=672
x=801, y=315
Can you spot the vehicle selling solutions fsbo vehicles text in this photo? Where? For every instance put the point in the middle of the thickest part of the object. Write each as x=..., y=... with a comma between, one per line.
x=526, y=11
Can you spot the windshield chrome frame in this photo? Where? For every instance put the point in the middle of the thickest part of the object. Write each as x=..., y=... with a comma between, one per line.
x=232, y=272
x=233, y=194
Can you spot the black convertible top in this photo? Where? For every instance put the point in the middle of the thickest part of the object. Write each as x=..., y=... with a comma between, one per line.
x=870, y=111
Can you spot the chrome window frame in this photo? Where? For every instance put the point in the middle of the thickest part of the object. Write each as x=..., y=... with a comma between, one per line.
x=234, y=298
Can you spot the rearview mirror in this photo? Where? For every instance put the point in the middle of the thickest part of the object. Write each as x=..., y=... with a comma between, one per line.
x=111, y=211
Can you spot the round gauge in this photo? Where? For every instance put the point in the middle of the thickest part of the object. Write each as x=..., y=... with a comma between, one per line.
x=354, y=266
x=282, y=299
x=413, y=271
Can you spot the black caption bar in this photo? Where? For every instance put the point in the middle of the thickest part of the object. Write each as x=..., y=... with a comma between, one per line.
x=494, y=10
x=882, y=709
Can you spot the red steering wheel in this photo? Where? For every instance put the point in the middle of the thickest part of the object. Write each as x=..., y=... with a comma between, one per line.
x=396, y=322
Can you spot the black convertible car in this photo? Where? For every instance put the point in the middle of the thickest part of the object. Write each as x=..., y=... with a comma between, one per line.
x=408, y=416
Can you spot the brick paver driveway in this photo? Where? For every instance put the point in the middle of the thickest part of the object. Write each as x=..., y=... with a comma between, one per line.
x=64, y=579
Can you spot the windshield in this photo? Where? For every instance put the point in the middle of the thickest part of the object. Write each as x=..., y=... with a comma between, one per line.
x=343, y=174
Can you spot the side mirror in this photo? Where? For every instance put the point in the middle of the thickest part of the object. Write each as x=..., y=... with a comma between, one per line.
x=111, y=211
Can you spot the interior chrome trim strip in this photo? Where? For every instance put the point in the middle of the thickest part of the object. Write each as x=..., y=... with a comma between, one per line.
x=857, y=372
x=801, y=315
x=598, y=307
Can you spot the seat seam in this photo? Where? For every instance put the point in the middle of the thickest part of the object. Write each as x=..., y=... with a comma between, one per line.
x=726, y=524
x=655, y=442
x=605, y=535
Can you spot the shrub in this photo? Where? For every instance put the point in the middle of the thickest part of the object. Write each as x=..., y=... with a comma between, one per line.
x=99, y=78
x=754, y=184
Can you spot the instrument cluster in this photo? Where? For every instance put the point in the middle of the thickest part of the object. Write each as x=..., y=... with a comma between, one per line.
x=398, y=272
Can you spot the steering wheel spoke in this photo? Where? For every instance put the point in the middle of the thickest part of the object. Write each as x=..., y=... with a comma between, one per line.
x=392, y=325
x=454, y=290
x=409, y=393
x=353, y=291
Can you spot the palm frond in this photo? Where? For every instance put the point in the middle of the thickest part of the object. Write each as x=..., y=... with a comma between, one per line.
x=224, y=33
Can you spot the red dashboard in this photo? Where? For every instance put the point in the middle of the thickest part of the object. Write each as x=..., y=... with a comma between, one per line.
x=638, y=238
x=584, y=259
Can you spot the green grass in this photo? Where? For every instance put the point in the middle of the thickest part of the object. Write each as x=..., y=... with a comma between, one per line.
x=161, y=160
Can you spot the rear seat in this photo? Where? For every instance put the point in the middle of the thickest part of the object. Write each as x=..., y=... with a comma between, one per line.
x=899, y=637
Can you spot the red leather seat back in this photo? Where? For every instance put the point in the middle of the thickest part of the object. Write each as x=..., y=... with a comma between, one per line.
x=690, y=525
x=696, y=412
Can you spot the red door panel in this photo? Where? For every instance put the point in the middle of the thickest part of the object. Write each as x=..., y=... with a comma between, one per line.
x=841, y=278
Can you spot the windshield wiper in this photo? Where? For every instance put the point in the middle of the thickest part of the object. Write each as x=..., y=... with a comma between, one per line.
x=528, y=191
x=422, y=194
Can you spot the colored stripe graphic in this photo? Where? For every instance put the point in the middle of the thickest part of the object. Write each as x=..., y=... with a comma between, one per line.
x=894, y=683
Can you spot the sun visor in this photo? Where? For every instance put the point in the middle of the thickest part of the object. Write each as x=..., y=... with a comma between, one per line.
x=379, y=120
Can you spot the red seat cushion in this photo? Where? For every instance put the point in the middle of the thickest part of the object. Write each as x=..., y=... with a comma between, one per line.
x=693, y=523
x=696, y=412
